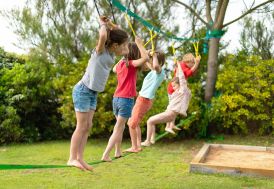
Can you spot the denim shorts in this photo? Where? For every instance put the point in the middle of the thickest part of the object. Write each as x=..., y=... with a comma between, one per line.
x=84, y=99
x=122, y=106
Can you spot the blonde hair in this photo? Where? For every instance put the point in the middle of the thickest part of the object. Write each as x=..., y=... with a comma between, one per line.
x=189, y=57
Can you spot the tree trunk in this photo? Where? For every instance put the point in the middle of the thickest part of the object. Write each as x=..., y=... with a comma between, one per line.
x=212, y=68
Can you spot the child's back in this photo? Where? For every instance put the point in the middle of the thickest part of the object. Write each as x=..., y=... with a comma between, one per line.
x=127, y=76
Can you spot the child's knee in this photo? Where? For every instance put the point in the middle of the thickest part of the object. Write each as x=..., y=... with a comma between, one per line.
x=150, y=121
x=132, y=125
x=119, y=128
x=89, y=126
x=83, y=129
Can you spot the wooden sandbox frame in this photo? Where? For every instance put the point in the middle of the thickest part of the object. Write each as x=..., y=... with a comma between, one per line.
x=198, y=164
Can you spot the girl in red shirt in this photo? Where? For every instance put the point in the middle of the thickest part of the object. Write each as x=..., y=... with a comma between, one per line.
x=123, y=99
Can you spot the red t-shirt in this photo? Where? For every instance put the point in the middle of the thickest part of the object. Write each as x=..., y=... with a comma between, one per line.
x=126, y=77
x=187, y=71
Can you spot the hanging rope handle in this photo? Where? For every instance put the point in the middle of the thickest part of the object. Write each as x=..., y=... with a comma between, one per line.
x=152, y=43
x=129, y=24
x=112, y=12
x=109, y=23
x=96, y=7
x=173, y=52
x=196, y=47
x=150, y=39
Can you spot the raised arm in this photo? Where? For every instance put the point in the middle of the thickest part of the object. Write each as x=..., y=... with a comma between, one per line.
x=196, y=65
x=102, y=35
x=155, y=63
x=144, y=55
x=105, y=25
x=181, y=75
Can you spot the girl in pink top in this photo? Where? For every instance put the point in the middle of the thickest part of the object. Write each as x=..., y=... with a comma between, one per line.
x=189, y=65
x=178, y=104
x=123, y=99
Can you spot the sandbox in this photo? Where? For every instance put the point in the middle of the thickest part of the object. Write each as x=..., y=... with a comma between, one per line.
x=235, y=160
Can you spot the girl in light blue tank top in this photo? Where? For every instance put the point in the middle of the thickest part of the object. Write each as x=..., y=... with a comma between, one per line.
x=144, y=101
x=112, y=41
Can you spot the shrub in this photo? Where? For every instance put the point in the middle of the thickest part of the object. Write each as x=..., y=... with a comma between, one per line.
x=246, y=102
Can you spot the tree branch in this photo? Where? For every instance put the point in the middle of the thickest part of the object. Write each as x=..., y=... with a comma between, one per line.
x=208, y=11
x=193, y=11
x=220, y=19
x=220, y=3
x=247, y=12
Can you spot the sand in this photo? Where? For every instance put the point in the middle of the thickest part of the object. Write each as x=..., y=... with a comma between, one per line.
x=240, y=158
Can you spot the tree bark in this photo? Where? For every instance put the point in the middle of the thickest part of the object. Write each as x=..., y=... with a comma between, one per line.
x=212, y=68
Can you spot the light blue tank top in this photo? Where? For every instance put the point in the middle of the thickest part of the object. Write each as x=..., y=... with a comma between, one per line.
x=151, y=83
x=98, y=70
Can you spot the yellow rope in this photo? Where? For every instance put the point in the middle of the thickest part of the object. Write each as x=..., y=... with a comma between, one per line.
x=196, y=47
x=173, y=52
x=152, y=44
x=150, y=39
x=129, y=24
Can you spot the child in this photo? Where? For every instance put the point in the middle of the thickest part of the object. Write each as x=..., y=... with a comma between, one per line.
x=144, y=102
x=124, y=95
x=189, y=65
x=112, y=41
x=178, y=104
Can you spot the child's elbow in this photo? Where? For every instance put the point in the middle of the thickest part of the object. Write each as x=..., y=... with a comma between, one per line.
x=156, y=67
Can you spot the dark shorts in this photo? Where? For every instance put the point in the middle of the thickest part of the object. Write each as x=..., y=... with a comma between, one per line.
x=122, y=106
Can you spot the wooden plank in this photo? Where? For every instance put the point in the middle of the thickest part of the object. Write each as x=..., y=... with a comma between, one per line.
x=239, y=147
x=201, y=154
x=197, y=164
x=270, y=149
x=244, y=171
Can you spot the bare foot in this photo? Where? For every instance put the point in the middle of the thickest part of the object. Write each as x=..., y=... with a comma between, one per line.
x=118, y=154
x=85, y=165
x=139, y=149
x=132, y=150
x=170, y=131
x=76, y=163
x=106, y=159
x=146, y=143
x=176, y=128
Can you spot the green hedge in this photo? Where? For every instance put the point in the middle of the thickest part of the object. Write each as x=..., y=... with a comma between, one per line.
x=246, y=101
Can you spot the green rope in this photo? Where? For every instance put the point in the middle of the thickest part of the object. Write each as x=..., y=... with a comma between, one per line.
x=214, y=33
x=11, y=166
x=147, y=24
x=210, y=33
x=182, y=122
x=16, y=167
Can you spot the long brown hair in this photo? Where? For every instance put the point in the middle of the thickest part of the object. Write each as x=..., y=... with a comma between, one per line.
x=118, y=36
x=134, y=52
x=161, y=57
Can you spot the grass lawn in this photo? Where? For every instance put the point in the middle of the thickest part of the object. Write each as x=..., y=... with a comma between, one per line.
x=164, y=165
